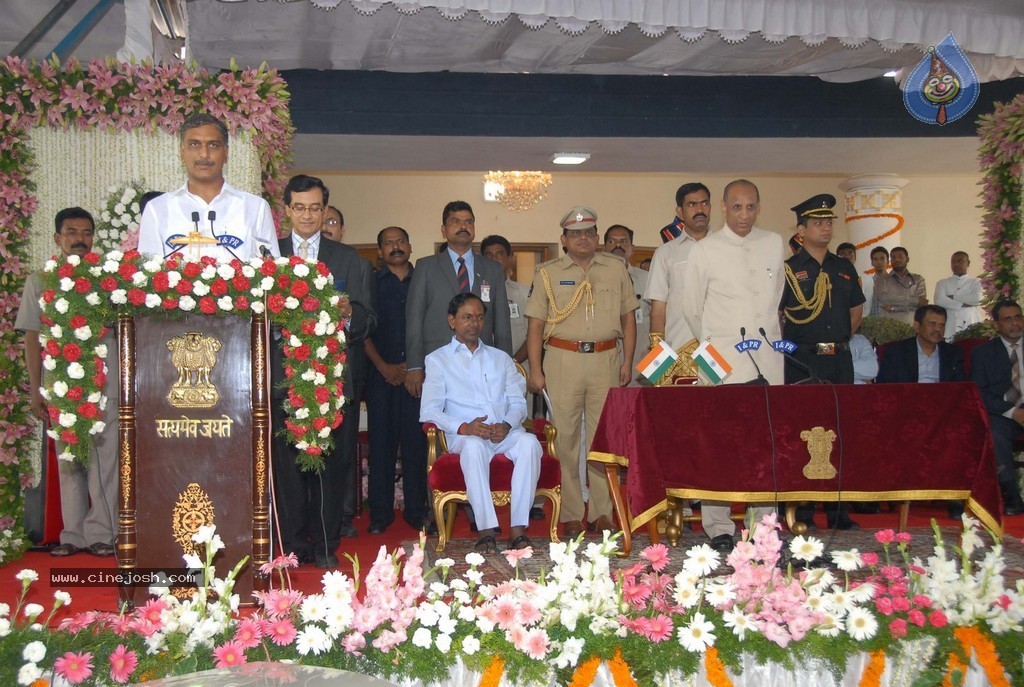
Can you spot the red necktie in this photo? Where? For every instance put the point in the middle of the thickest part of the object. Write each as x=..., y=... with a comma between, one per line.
x=463, y=276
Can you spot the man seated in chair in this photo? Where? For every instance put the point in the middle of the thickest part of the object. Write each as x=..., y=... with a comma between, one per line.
x=474, y=393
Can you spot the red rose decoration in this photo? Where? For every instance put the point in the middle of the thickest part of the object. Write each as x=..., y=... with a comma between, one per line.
x=302, y=353
x=66, y=270
x=268, y=268
x=184, y=287
x=319, y=423
x=219, y=287
x=300, y=288
x=310, y=304
x=75, y=393
x=72, y=352
x=136, y=297
x=207, y=305
x=169, y=303
x=69, y=437
x=241, y=303
x=49, y=295
x=77, y=321
x=88, y=410
x=192, y=269
x=92, y=258
x=322, y=394
x=275, y=303
x=108, y=283
x=161, y=282
x=83, y=285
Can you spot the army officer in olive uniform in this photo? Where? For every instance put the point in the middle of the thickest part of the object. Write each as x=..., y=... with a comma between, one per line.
x=581, y=317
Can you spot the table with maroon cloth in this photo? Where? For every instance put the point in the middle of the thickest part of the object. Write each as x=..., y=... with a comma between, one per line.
x=894, y=442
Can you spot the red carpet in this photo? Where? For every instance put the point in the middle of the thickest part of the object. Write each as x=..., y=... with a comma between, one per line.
x=365, y=547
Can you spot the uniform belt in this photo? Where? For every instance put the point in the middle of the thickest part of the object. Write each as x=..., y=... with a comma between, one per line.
x=583, y=346
x=826, y=347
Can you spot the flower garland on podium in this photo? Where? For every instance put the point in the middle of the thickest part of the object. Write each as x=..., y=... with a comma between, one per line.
x=81, y=294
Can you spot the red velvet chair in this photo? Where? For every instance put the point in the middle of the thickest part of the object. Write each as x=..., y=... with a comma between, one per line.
x=448, y=485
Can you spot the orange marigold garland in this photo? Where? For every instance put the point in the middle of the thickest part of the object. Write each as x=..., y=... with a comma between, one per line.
x=872, y=676
x=621, y=673
x=585, y=672
x=492, y=676
x=985, y=652
x=954, y=667
x=715, y=669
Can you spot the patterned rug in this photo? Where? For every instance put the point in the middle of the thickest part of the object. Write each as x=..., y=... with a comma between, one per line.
x=497, y=569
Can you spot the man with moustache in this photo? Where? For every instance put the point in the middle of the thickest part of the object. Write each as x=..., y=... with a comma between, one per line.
x=437, y=279
x=734, y=280
x=822, y=307
x=474, y=393
x=334, y=224
x=880, y=265
x=498, y=249
x=665, y=282
x=581, y=305
x=925, y=357
x=959, y=295
x=232, y=223
x=997, y=367
x=393, y=414
x=902, y=292
x=316, y=509
x=618, y=240
x=87, y=493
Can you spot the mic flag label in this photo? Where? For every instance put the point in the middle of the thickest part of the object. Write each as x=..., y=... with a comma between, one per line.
x=784, y=346
x=748, y=345
x=943, y=87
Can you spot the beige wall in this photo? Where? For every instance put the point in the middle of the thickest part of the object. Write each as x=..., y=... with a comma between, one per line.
x=941, y=211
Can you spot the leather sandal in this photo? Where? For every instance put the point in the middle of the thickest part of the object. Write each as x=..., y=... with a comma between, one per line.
x=486, y=544
x=100, y=549
x=520, y=542
x=64, y=550
x=572, y=529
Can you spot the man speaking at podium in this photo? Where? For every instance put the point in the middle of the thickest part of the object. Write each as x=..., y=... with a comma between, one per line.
x=207, y=216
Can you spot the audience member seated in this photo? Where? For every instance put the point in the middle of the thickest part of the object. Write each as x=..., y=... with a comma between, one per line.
x=925, y=357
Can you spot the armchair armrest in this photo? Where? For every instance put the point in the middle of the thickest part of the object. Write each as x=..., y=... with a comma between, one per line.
x=437, y=444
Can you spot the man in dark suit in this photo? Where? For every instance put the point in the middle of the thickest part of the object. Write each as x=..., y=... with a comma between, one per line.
x=925, y=357
x=437, y=279
x=316, y=509
x=996, y=369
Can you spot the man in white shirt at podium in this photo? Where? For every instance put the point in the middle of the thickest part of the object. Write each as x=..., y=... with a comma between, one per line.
x=207, y=216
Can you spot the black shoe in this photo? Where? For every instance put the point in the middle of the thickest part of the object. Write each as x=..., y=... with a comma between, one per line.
x=378, y=527
x=347, y=529
x=536, y=513
x=326, y=561
x=955, y=509
x=425, y=524
x=1013, y=508
x=305, y=557
x=722, y=543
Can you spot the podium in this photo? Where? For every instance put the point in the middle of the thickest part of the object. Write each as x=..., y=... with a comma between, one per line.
x=194, y=437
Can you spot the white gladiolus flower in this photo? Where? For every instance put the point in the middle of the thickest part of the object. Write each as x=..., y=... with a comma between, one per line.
x=63, y=597
x=32, y=610
x=26, y=575
x=204, y=534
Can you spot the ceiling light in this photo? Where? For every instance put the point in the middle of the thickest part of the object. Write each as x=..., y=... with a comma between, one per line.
x=517, y=191
x=570, y=158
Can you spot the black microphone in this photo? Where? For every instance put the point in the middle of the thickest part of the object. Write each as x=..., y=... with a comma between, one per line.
x=175, y=249
x=760, y=377
x=265, y=252
x=811, y=377
x=211, y=215
x=195, y=220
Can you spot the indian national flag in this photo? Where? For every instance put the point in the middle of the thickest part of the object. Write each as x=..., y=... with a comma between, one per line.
x=711, y=366
x=657, y=362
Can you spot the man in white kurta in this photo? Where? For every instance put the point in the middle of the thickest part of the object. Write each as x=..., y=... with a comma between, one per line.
x=960, y=295
x=212, y=217
x=475, y=394
x=733, y=279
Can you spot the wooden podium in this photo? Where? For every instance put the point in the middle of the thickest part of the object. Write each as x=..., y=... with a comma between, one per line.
x=194, y=435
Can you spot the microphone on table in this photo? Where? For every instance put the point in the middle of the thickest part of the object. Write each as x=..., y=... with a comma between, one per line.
x=778, y=346
x=744, y=346
x=175, y=249
x=211, y=215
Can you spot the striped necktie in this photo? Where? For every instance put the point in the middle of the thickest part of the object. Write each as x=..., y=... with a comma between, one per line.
x=304, y=248
x=462, y=275
x=1013, y=396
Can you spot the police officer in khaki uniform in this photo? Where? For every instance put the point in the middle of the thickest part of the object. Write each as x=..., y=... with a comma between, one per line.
x=580, y=306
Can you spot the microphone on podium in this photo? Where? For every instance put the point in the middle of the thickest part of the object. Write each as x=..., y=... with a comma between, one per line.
x=811, y=377
x=760, y=379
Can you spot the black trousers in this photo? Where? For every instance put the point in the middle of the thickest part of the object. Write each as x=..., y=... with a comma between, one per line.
x=837, y=368
x=393, y=417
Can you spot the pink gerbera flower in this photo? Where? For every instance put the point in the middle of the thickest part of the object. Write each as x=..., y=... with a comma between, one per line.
x=230, y=654
x=535, y=644
x=506, y=612
x=152, y=610
x=75, y=668
x=656, y=555
x=249, y=633
x=281, y=632
x=122, y=664
x=659, y=628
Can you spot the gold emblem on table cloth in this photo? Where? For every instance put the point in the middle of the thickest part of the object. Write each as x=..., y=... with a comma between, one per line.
x=193, y=510
x=193, y=355
x=819, y=445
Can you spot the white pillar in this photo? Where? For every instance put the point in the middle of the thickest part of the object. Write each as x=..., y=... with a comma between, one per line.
x=874, y=214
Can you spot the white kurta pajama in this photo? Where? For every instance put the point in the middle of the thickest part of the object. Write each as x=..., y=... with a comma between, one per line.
x=960, y=296
x=665, y=284
x=461, y=385
x=729, y=282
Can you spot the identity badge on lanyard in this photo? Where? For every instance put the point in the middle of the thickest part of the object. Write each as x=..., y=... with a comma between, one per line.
x=485, y=292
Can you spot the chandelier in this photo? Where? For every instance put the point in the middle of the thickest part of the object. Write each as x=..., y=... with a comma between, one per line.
x=520, y=191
